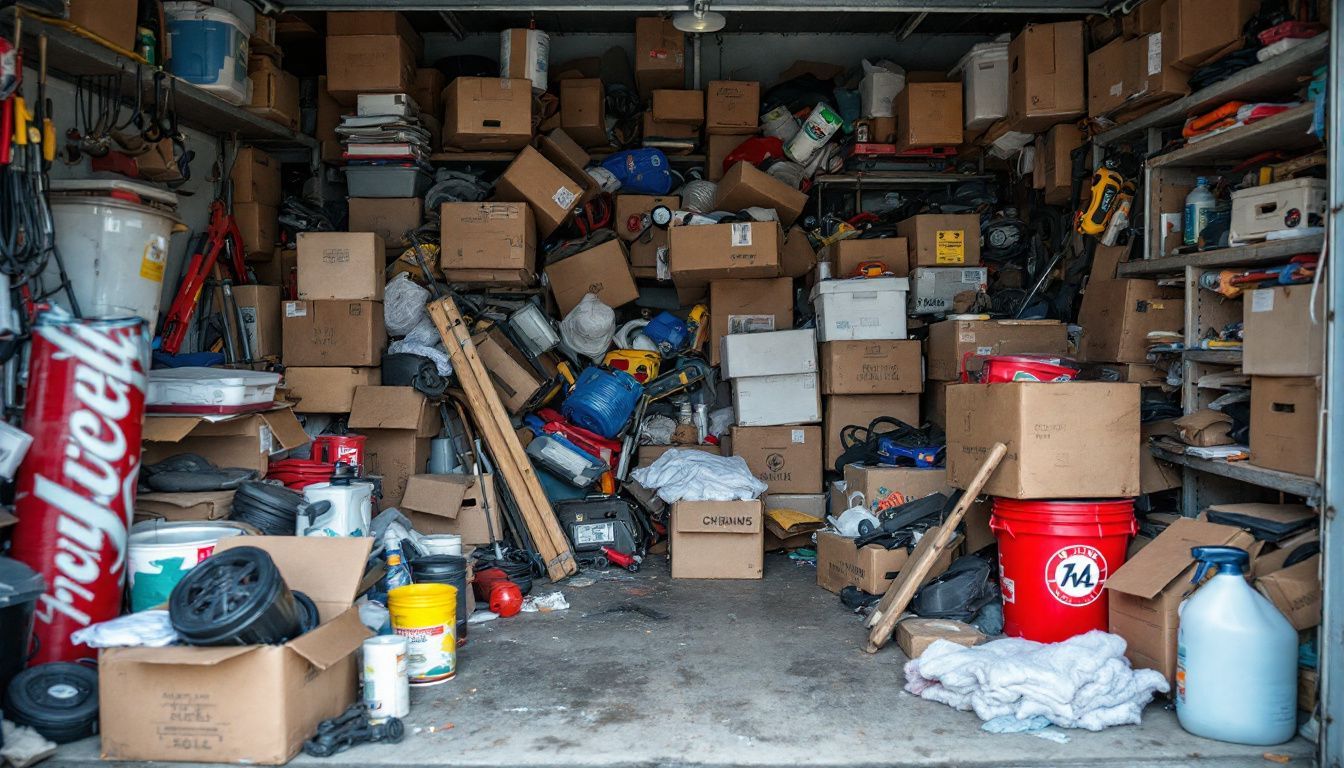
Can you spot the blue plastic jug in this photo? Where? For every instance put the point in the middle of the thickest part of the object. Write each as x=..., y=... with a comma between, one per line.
x=602, y=400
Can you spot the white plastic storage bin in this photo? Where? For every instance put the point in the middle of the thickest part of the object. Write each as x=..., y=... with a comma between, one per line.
x=933, y=290
x=772, y=401
x=210, y=390
x=1285, y=205
x=769, y=354
x=209, y=50
x=984, y=83
x=860, y=309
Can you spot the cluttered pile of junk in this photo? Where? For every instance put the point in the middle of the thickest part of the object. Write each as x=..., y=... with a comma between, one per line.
x=577, y=318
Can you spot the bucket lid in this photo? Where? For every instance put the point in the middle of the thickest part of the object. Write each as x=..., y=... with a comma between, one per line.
x=860, y=285
x=979, y=52
x=189, y=10
x=18, y=583
x=108, y=186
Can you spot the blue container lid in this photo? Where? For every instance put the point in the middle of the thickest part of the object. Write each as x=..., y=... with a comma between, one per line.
x=19, y=584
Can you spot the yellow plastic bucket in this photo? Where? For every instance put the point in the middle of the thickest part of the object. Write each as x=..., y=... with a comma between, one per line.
x=426, y=615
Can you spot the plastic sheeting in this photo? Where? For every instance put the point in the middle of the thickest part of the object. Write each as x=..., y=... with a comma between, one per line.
x=404, y=305
x=687, y=475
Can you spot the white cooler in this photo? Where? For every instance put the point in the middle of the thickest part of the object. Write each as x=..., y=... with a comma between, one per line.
x=861, y=308
x=210, y=390
x=1280, y=207
x=984, y=79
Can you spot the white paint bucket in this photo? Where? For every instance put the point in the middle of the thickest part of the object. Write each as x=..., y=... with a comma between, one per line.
x=160, y=553
x=441, y=544
x=818, y=129
x=387, y=688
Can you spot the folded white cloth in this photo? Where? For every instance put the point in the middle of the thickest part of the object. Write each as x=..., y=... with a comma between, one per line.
x=1083, y=682
x=686, y=475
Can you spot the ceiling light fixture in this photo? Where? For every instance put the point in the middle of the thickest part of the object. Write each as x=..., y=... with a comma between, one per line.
x=699, y=19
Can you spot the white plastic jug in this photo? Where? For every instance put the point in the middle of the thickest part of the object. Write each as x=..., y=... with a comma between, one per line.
x=349, y=514
x=1236, y=659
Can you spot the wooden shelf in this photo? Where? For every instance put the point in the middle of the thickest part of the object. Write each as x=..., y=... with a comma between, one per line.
x=1251, y=255
x=464, y=158
x=896, y=179
x=1285, y=131
x=1214, y=356
x=1285, y=482
x=1269, y=80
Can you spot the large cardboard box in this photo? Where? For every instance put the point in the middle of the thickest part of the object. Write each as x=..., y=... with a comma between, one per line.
x=454, y=504
x=113, y=20
x=765, y=401
x=246, y=441
x=355, y=23
x=1053, y=173
x=1281, y=336
x=259, y=306
x=549, y=191
x=495, y=236
x=256, y=178
x=243, y=704
x=950, y=341
x=583, y=111
x=942, y=239
x=648, y=259
x=1145, y=592
x=259, y=226
x=328, y=390
x=1071, y=440
x=1112, y=77
x=1195, y=32
x=397, y=424
x=341, y=265
x=368, y=64
x=871, y=568
x=631, y=220
x=180, y=507
x=746, y=186
x=660, y=55
x=390, y=218
x=747, y=306
x=846, y=255
x=876, y=367
x=1285, y=419
x=717, y=540
x=679, y=107
x=275, y=94
x=487, y=113
x=604, y=270
x=928, y=115
x=732, y=107
x=333, y=333
x=884, y=488
x=1296, y=592
x=945, y=290
x=1045, y=82
x=700, y=254
x=1117, y=315
x=573, y=160
x=843, y=410
x=787, y=459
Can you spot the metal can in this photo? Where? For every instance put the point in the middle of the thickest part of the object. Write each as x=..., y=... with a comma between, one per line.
x=348, y=448
x=75, y=491
x=387, y=687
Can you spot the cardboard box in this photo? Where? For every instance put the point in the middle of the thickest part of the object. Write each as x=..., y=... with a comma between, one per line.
x=357, y=23
x=1143, y=20
x=945, y=290
x=1053, y=173
x=496, y=236
x=746, y=186
x=871, y=568
x=341, y=265
x=333, y=333
x=950, y=341
x=428, y=91
x=732, y=107
x=583, y=111
x=846, y=255
x=787, y=459
x=1296, y=592
x=1112, y=77
x=398, y=424
x=1145, y=592
x=1045, y=81
x=259, y=226
x=928, y=115
x=1156, y=475
x=1280, y=337
x=549, y=192
x=390, y=218
x=327, y=390
x=717, y=540
x=329, y=112
x=884, y=488
x=243, y=704
x=454, y=504
x=942, y=239
x=698, y=255
x=368, y=64
x=572, y=160
x=1285, y=416
x=679, y=107
x=717, y=149
x=915, y=635
x=516, y=381
x=487, y=113
x=275, y=94
x=810, y=504
x=660, y=55
x=246, y=441
x=280, y=268
x=604, y=270
x=876, y=367
x=843, y=410
x=181, y=507
x=933, y=403
x=769, y=354
x=1117, y=315
x=747, y=306
x=765, y=401
x=796, y=256
x=260, y=307
x=256, y=178
x=113, y=20
x=1195, y=32
x=632, y=210
x=648, y=260
x=1075, y=440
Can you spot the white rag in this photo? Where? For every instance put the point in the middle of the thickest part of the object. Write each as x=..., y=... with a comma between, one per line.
x=1083, y=682
x=687, y=475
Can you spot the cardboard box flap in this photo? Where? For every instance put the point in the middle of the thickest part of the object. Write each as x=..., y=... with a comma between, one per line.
x=439, y=495
x=181, y=655
x=1153, y=568
x=332, y=642
x=185, y=500
x=387, y=408
x=286, y=431
x=328, y=570
x=719, y=519
x=168, y=429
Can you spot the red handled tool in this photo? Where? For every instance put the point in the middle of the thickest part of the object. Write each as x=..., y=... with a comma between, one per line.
x=222, y=237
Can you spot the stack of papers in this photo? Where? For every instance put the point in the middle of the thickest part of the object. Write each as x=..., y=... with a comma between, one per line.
x=386, y=130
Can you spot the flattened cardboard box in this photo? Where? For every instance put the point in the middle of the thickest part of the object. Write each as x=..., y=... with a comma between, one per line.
x=242, y=704
x=246, y=441
x=876, y=367
x=950, y=341
x=717, y=540
x=787, y=459
x=747, y=306
x=746, y=186
x=454, y=504
x=328, y=390
x=1072, y=440
x=177, y=507
x=333, y=333
x=603, y=270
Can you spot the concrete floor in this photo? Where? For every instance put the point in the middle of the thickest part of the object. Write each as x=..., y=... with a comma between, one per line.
x=644, y=671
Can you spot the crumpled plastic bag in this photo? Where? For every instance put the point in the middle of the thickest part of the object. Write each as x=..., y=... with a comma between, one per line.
x=589, y=328
x=688, y=475
x=147, y=629
x=404, y=305
x=554, y=601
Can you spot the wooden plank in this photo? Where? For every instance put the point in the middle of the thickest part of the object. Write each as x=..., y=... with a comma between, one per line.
x=930, y=548
x=1249, y=255
x=510, y=460
x=1286, y=131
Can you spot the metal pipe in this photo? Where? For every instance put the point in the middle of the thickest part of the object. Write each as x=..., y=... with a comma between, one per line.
x=695, y=62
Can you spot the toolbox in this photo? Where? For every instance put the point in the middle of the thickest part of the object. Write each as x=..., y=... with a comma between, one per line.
x=1283, y=205
x=603, y=521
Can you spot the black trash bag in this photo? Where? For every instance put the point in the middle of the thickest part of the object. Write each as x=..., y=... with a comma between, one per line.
x=403, y=369
x=958, y=593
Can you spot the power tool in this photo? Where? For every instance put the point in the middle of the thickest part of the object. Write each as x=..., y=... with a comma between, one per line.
x=1110, y=191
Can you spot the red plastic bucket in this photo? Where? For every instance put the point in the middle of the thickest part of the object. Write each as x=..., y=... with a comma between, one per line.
x=1005, y=369
x=1054, y=558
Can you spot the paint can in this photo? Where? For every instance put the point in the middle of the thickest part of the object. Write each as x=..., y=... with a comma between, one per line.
x=161, y=553
x=426, y=615
x=387, y=690
x=818, y=129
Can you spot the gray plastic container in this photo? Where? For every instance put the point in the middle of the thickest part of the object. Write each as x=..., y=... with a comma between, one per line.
x=386, y=181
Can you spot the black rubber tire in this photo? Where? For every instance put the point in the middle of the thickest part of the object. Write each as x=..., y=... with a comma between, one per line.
x=59, y=700
x=235, y=597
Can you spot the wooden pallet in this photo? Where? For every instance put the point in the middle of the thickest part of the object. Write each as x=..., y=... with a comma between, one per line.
x=492, y=421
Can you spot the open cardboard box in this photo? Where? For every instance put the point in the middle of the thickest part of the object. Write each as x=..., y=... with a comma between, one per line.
x=243, y=704
x=454, y=504
x=246, y=441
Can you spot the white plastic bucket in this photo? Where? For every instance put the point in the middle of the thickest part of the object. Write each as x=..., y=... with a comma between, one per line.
x=442, y=544
x=387, y=686
x=160, y=553
x=114, y=253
